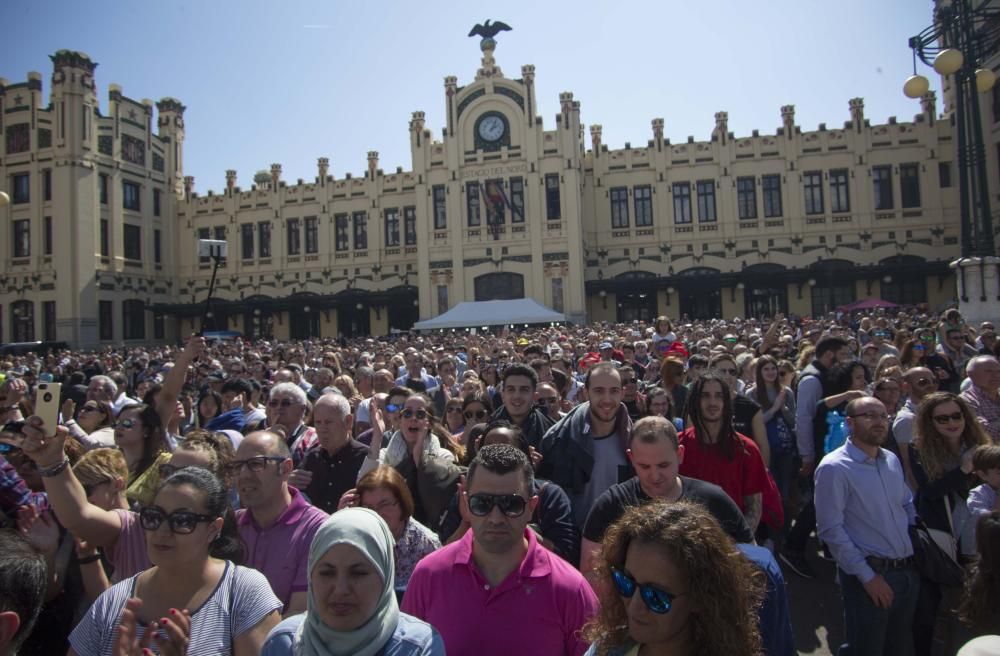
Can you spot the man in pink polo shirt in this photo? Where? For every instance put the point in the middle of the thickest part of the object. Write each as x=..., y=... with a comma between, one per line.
x=277, y=524
x=497, y=591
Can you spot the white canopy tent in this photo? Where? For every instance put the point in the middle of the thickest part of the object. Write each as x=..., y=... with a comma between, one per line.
x=492, y=313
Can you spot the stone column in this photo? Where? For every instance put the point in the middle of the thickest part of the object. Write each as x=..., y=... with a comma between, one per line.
x=978, y=285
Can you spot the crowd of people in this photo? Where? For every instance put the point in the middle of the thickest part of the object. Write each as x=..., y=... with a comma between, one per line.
x=609, y=489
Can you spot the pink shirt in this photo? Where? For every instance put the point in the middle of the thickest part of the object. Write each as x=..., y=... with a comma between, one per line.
x=128, y=554
x=281, y=550
x=538, y=609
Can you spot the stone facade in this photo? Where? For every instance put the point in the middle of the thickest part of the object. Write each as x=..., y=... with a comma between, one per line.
x=500, y=204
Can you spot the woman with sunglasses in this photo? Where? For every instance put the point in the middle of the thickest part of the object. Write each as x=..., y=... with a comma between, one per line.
x=385, y=491
x=672, y=582
x=140, y=436
x=423, y=453
x=352, y=606
x=946, y=434
x=914, y=354
x=454, y=418
x=196, y=598
x=476, y=409
x=94, y=423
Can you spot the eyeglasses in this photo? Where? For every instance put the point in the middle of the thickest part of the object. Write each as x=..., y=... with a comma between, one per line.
x=510, y=505
x=385, y=505
x=89, y=408
x=919, y=347
x=944, y=419
x=656, y=600
x=410, y=414
x=477, y=414
x=871, y=416
x=181, y=522
x=453, y=409
x=284, y=403
x=255, y=464
x=393, y=407
x=924, y=382
x=126, y=423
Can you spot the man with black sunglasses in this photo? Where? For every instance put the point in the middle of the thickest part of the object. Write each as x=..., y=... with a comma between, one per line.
x=497, y=581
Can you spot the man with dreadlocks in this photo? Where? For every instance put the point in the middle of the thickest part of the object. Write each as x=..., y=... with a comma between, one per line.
x=715, y=452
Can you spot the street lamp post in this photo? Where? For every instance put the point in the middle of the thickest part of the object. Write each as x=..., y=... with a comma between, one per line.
x=958, y=44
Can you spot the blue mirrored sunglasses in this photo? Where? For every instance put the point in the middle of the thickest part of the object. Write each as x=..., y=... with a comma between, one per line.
x=656, y=600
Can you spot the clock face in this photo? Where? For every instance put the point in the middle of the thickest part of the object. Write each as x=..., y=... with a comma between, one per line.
x=491, y=128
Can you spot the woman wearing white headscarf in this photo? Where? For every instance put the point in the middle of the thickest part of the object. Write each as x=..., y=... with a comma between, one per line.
x=352, y=609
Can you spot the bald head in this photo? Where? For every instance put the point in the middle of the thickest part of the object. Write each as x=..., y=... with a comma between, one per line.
x=920, y=381
x=263, y=443
x=985, y=373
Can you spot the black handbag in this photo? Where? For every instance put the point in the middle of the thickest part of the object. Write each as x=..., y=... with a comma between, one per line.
x=933, y=563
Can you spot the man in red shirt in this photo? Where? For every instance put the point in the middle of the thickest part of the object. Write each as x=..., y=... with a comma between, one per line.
x=715, y=452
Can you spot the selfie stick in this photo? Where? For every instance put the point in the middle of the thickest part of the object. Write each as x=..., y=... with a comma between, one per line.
x=217, y=250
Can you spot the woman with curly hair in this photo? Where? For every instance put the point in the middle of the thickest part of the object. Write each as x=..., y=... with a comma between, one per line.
x=980, y=606
x=671, y=581
x=946, y=435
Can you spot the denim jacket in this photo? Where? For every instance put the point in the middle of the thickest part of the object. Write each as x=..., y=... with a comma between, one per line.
x=412, y=637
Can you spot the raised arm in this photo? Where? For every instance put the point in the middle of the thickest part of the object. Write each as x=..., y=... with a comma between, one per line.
x=67, y=498
x=166, y=400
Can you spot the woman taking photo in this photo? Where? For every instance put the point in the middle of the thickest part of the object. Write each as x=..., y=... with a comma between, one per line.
x=672, y=582
x=352, y=608
x=194, y=599
x=139, y=434
x=384, y=491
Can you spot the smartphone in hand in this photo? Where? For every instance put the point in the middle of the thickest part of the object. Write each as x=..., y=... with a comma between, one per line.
x=47, y=400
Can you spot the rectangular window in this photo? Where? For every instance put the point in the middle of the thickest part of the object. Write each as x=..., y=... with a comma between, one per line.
x=909, y=184
x=682, y=202
x=517, y=200
x=133, y=242
x=472, y=202
x=293, y=235
x=557, y=294
x=156, y=202
x=643, y=205
x=246, y=240
x=47, y=184
x=18, y=137
x=442, y=295
x=440, y=209
x=102, y=183
x=134, y=319
x=746, y=197
x=49, y=320
x=157, y=246
x=771, y=185
x=882, y=187
x=130, y=196
x=619, y=207
x=47, y=244
x=312, y=234
x=553, y=208
x=706, y=201
x=203, y=233
x=159, y=326
x=105, y=320
x=105, y=238
x=342, y=234
x=944, y=174
x=360, y=231
x=410, y=225
x=391, y=227
x=840, y=196
x=812, y=187
x=264, y=238
x=21, y=188
x=22, y=238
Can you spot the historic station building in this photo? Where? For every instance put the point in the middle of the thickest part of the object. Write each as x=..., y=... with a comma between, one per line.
x=100, y=236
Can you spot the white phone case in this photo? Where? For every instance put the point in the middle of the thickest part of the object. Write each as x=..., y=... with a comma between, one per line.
x=47, y=405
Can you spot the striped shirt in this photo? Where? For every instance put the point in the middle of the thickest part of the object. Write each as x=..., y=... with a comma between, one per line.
x=239, y=602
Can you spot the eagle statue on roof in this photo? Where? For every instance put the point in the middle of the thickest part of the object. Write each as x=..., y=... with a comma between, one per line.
x=489, y=29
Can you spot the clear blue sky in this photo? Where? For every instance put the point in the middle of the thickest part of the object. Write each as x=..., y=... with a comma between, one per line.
x=295, y=80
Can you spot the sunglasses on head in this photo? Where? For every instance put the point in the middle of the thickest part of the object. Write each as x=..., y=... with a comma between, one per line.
x=284, y=403
x=410, y=414
x=944, y=419
x=179, y=521
x=477, y=414
x=656, y=600
x=510, y=505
